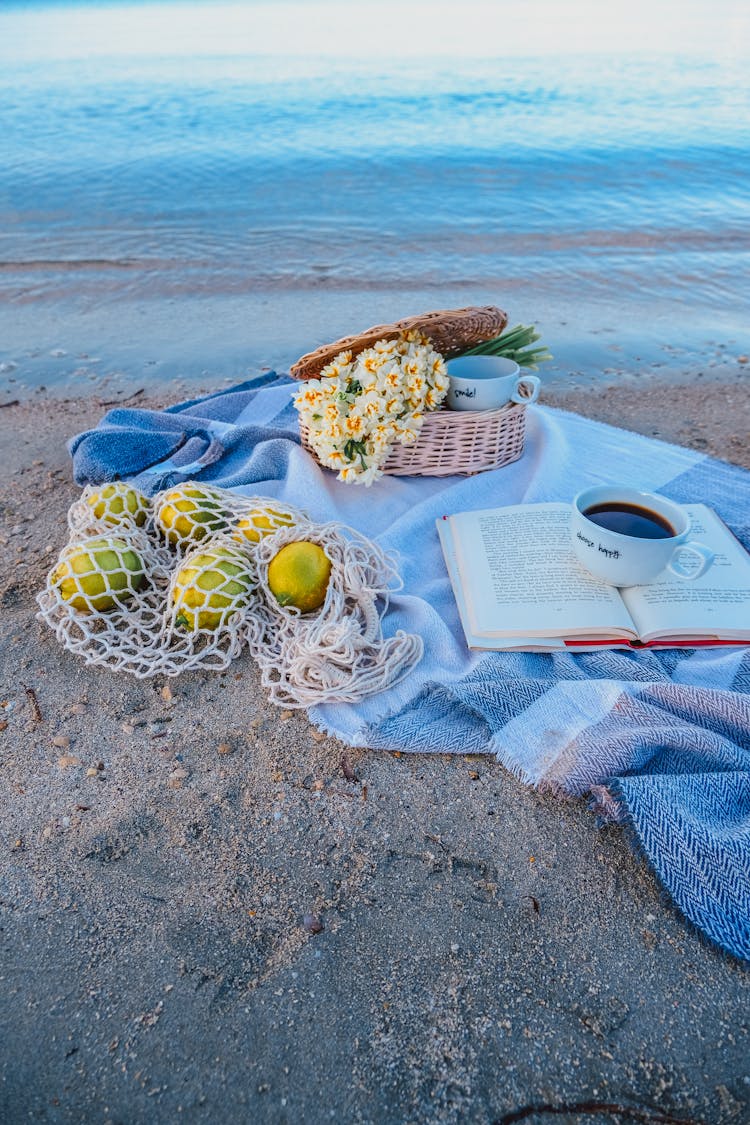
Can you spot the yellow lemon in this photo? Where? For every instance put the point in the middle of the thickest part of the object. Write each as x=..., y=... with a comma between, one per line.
x=261, y=522
x=119, y=503
x=210, y=587
x=98, y=574
x=190, y=514
x=299, y=574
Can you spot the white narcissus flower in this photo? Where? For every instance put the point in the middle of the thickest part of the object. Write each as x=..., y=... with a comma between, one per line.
x=359, y=406
x=392, y=379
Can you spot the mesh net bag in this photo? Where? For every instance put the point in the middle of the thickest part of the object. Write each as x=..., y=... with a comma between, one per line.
x=182, y=583
x=337, y=653
x=104, y=598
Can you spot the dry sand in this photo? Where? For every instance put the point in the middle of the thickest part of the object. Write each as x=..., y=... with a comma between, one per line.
x=204, y=918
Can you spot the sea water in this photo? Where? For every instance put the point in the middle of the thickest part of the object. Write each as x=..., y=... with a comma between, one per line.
x=201, y=187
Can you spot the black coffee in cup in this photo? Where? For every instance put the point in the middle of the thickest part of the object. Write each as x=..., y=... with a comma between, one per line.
x=630, y=519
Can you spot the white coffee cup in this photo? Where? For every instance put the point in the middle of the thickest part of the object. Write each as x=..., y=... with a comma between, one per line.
x=630, y=556
x=487, y=382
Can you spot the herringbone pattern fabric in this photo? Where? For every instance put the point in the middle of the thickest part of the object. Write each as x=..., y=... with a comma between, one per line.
x=695, y=830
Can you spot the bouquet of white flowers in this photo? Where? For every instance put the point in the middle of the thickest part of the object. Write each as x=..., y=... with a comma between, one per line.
x=360, y=406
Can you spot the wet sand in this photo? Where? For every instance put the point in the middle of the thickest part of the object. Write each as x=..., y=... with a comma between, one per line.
x=210, y=912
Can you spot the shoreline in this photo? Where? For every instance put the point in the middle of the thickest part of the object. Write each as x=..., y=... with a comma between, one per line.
x=183, y=345
x=212, y=911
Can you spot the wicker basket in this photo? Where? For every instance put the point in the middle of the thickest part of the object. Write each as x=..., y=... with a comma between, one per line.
x=450, y=442
x=456, y=442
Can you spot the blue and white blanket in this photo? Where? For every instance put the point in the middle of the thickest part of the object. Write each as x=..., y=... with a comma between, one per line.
x=660, y=738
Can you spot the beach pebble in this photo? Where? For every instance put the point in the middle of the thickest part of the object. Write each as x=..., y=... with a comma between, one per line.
x=92, y=772
x=3, y=724
x=166, y=694
x=743, y=359
x=312, y=923
x=78, y=709
x=68, y=760
x=224, y=748
x=61, y=740
x=285, y=715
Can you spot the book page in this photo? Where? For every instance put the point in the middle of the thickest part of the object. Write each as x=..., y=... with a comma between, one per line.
x=520, y=577
x=715, y=605
x=472, y=639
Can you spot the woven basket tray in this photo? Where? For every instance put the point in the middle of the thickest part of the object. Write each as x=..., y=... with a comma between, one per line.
x=451, y=441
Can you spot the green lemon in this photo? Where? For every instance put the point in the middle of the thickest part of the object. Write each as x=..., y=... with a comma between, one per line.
x=98, y=574
x=119, y=503
x=260, y=522
x=210, y=587
x=190, y=513
x=298, y=575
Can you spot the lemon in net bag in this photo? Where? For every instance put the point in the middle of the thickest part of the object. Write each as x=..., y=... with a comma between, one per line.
x=118, y=504
x=97, y=574
x=262, y=520
x=299, y=574
x=190, y=513
x=109, y=509
x=211, y=586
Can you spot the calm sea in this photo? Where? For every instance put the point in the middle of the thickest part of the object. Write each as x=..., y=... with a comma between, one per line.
x=185, y=181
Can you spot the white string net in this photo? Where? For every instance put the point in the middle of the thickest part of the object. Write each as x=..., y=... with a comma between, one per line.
x=339, y=652
x=181, y=583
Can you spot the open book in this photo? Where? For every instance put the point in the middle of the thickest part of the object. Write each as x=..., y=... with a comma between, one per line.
x=518, y=585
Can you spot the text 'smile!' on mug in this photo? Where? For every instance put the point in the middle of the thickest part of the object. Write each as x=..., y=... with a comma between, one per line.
x=487, y=382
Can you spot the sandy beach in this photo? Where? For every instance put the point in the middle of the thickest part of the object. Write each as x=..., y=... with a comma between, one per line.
x=211, y=912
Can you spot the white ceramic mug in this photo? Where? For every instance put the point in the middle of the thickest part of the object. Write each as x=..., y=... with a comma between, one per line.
x=486, y=382
x=628, y=558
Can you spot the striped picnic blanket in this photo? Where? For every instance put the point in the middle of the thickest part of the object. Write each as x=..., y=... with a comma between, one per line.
x=660, y=739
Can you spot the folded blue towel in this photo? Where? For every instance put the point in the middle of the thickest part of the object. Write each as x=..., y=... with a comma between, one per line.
x=182, y=441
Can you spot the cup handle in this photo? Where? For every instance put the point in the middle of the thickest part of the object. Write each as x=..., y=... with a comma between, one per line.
x=526, y=399
x=705, y=558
